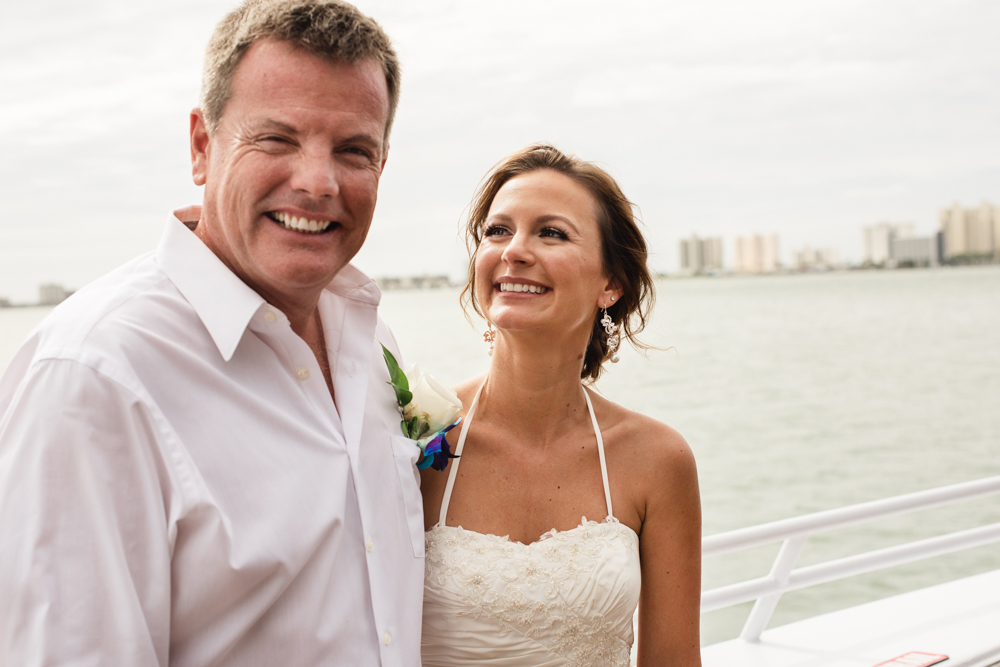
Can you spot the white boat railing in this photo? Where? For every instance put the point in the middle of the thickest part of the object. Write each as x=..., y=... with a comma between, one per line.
x=794, y=532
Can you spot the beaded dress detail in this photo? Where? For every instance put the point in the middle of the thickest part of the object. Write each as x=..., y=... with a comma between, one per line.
x=567, y=599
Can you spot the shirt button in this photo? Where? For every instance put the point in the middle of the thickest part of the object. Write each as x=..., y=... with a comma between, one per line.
x=303, y=373
x=270, y=316
x=369, y=544
x=388, y=638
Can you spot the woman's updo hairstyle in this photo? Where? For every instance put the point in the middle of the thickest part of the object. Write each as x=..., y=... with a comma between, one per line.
x=623, y=248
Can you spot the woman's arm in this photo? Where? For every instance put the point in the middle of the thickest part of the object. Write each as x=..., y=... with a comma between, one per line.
x=670, y=552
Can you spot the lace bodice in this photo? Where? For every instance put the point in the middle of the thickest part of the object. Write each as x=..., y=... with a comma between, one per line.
x=567, y=599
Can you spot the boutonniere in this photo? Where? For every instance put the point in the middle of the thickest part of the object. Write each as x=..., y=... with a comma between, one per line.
x=428, y=409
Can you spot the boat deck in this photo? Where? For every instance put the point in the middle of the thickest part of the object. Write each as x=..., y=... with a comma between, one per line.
x=960, y=619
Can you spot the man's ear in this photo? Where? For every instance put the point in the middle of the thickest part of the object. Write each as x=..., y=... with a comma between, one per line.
x=199, y=147
x=385, y=156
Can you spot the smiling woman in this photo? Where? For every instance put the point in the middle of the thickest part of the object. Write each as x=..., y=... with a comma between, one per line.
x=515, y=573
x=619, y=245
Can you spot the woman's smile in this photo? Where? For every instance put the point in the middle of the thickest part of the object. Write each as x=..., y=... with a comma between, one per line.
x=514, y=286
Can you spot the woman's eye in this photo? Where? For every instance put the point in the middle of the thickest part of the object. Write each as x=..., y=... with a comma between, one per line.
x=552, y=232
x=495, y=230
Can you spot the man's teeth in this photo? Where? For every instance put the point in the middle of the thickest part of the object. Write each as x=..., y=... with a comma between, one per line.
x=301, y=224
x=518, y=287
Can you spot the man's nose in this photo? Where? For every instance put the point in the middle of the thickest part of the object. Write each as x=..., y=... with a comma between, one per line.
x=315, y=174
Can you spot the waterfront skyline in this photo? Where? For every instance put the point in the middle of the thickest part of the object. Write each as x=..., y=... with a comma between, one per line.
x=966, y=236
x=720, y=118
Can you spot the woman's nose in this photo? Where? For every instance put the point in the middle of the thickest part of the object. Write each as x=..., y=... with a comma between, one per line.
x=518, y=250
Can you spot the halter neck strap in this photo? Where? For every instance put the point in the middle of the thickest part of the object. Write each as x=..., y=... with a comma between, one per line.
x=463, y=434
x=600, y=450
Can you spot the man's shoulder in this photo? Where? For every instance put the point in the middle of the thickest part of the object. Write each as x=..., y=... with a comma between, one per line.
x=124, y=306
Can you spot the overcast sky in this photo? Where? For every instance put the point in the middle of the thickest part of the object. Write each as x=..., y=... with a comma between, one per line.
x=809, y=119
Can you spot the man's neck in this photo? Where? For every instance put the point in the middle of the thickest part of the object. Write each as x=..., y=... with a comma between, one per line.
x=311, y=332
x=302, y=313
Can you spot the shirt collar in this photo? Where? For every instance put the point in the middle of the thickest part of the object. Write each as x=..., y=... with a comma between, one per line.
x=351, y=283
x=223, y=302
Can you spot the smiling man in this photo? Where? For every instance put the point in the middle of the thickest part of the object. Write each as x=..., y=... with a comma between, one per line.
x=200, y=457
x=291, y=174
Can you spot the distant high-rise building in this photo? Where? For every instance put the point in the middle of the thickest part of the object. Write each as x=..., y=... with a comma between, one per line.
x=815, y=259
x=915, y=251
x=887, y=244
x=701, y=255
x=877, y=241
x=756, y=254
x=51, y=294
x=970, y=231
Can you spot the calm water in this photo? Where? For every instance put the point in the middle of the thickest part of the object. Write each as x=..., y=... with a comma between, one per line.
x=797, y=394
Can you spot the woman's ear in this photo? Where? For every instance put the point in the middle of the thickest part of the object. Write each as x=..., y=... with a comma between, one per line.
x=611, y=294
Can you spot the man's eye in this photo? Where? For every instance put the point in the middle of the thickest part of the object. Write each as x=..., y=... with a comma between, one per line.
x=357, y=150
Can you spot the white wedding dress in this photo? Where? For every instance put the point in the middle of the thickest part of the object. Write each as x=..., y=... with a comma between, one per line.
x=567, y=599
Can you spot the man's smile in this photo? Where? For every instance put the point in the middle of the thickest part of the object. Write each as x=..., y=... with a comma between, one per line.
x=301, y=224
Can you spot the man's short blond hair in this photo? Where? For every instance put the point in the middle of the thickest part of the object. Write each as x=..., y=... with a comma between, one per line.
x=330, y=29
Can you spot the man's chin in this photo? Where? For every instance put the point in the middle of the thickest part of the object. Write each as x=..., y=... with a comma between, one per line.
x=305, y=279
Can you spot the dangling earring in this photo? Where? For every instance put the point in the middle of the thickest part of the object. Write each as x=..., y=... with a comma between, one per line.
x=611, y=331
x=490, y=335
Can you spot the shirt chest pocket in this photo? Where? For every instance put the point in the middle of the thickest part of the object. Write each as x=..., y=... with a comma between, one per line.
x=405, y=453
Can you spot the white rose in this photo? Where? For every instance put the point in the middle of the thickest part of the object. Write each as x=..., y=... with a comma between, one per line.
x=435, y=403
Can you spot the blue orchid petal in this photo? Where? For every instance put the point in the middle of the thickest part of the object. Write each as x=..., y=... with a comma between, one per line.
x=434, y=446
x=435, y=450
x=441, y=458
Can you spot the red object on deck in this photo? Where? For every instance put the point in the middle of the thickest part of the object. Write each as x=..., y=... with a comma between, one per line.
x=914, y=659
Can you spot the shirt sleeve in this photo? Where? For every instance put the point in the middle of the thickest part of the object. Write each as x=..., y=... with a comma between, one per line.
x=85, y=546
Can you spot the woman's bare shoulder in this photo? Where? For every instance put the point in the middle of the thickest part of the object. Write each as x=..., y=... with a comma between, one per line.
x=467, y=389
x=643, y=444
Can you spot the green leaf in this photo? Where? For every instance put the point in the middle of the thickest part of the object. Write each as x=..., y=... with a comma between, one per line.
x=396, y=374
x=414, y=428
x=398, y=380
x=403, y=397
x=405, y=427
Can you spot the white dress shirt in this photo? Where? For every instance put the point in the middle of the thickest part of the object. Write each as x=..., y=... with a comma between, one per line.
x=177, y=486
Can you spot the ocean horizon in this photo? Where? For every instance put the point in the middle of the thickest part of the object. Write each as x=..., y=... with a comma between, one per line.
x=797, y=393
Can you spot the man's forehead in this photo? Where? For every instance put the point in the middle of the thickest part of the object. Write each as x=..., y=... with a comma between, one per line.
x=270, y=66
x=276, y=78
x=279, y=54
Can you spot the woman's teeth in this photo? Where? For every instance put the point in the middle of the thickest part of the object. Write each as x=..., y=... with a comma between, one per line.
x=301, y=224
x=518, y=287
